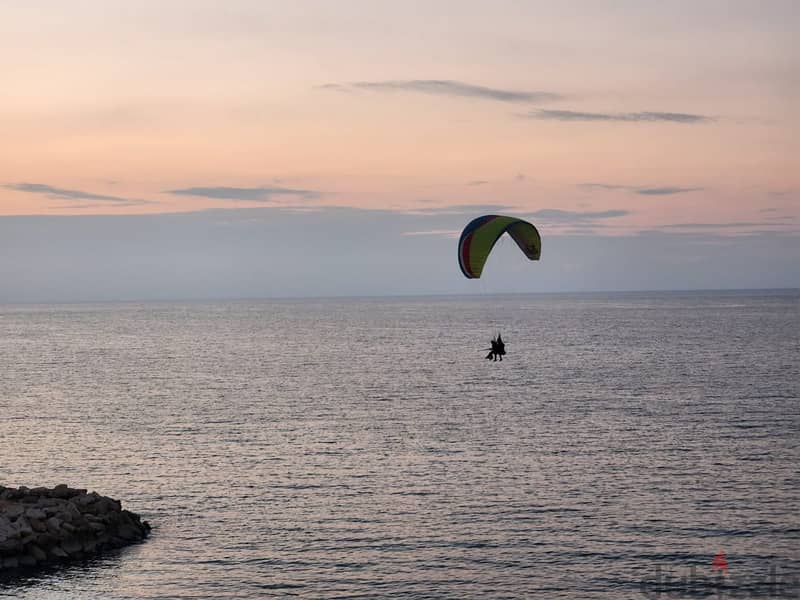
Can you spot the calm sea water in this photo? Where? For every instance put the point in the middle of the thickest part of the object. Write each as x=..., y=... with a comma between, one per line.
x=365, y=449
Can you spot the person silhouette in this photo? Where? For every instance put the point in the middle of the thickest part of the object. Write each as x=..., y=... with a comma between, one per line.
x=493, y=352
x=501, y=347
x=498, y=349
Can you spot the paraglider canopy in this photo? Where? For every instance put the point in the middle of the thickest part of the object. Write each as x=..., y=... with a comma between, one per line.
x=481, y=234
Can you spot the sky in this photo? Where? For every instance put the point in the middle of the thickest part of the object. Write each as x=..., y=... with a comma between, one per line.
x=198, y=149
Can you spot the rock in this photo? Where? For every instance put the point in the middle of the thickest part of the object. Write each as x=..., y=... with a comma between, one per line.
x=23, y=527
x=11, y=494
x=41, y=525
x=69, y=511
x=53, y=524
x=35, y=513
x=105, y=506
x=71, y=546
x=86, y=499
x=13, y=511
x=97, y=527
x=46, y=539
x=37, y=525
x=6, y=528
x=129, y=532
x=61, y=491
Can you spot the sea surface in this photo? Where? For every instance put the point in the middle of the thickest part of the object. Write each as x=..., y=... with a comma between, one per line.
x=363, y=448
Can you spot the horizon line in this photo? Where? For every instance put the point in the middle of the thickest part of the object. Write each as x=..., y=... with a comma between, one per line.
x=472, y=295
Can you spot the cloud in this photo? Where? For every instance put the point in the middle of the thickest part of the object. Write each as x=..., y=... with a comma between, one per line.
x=443, y=87
x=645, y=191
x=604, y=186
x=65, y=194
x=558, y=216
x=75, y=206
x=256, y=194
x=452, y=233
x=633, y=117
x=555, y=217
x=478, y=182
x=587, y=230
x=459, y=209
x=735, y=225
x=666, y=191
x=781, y=193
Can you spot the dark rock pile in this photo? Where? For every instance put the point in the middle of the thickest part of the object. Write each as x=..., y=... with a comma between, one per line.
x=43, y=526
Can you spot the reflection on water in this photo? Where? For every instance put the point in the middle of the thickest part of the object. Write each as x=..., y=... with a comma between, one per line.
x=320, y=449
x=12, y=582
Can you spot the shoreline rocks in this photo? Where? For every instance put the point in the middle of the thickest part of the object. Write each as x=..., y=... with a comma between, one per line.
x=44, y=526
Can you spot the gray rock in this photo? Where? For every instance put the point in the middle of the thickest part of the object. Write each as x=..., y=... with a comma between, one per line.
x=35, y=513
x=71, y=546
x=37, y=525
x=13, y=511
x=61, y=491
x=53, y=524
x=86, y=499
x=129, y=532
x=46, y=539
x=69, y=527
x=106, y=505
x=69, y=511
x=12, y=494
x=23, y=527
x=6, y=528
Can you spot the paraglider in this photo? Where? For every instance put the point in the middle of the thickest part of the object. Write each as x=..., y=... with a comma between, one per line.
x=476, y=243
x=481, y=234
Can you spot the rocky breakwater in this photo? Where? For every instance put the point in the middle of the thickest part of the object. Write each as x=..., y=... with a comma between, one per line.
x=42, y=526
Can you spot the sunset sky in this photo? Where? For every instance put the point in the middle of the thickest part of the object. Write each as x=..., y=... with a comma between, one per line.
x=628, y=119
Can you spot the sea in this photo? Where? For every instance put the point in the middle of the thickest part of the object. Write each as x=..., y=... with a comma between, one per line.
x=629, y=445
